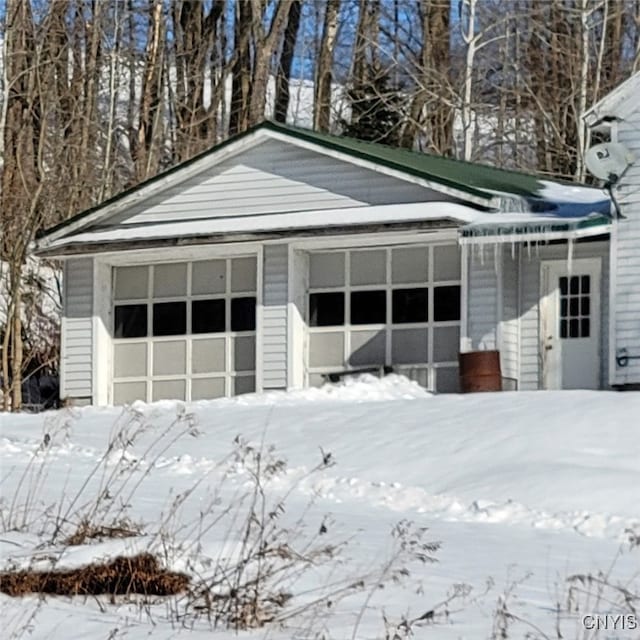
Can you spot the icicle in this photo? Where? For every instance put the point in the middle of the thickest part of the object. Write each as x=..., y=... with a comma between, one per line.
x=482, y=255
x=570, y=247
x=529, y=249
x=495, y=258
x=513, y=248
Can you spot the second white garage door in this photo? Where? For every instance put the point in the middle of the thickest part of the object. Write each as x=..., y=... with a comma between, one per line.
x=397, y=306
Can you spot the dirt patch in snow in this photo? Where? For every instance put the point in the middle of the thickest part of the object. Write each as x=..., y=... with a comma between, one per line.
x=141, y=574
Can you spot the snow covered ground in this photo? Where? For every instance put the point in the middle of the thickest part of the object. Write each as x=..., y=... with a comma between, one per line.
x=526, y=492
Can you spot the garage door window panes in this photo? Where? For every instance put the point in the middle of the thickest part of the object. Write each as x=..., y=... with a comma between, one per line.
x=184, y=330
x=394, y=306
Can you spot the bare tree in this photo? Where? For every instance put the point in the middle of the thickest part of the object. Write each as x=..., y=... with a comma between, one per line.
x=431, y=112
x=283, y=76
x=266, y=37
x=241, y=69
x=97, y=96
x=470, y=38
x=324, y=66
x=147, y=143
x=114, y=93
x=21, y=182
x=198, y=66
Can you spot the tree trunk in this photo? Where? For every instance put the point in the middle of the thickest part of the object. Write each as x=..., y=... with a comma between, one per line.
x=359, y=66
x=582, y=131
x=469, y=37
x=16, y=343
x=114, y=72
x=430, y=114
x=194, y=42
x=21, y=179
x=146, y=152
x=439, y=113
x=324, y=66
x=241, y=69
x=283, y=76
x=616, y=44
x=265, y=47
x=635, y=21
x=219, y=72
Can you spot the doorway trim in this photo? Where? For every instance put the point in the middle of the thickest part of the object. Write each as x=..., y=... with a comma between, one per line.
x=550, y=342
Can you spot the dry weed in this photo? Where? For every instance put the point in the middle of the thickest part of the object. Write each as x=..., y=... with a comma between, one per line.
x=141, y=574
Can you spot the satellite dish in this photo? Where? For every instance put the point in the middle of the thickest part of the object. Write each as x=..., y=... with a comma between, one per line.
x=608, y=161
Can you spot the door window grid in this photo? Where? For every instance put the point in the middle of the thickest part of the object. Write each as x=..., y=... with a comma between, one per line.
x=575, y=306
x=349, y=330
x=191, y=340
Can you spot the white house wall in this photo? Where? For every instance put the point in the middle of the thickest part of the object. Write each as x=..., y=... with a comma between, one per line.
x=626, y=260
x=509, y=328
x=504, y=316
x=274, y=177
x=77, y=330
x=530, y=362
x=482, y=298
x=274, y=316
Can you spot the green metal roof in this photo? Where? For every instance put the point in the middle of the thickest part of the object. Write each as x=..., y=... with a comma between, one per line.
x=475, y=179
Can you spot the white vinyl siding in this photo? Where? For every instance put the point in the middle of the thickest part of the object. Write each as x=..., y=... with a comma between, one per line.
x=626, y=261
x=77, y=331
x=530, y=357
x=482, y=298
x=274, y=177
x=274, y=317
x=510, y=324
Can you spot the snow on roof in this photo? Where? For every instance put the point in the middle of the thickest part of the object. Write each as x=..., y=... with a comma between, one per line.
x=572, y=193
x=494, y=226
x=562, y=211
x=280, y=222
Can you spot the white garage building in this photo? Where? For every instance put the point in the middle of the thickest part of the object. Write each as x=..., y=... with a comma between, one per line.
x=282, y=256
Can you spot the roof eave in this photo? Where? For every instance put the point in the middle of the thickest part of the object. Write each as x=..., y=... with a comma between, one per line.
x=72, y=249
x=617, y=104
x=599, y=121
x=535, y=231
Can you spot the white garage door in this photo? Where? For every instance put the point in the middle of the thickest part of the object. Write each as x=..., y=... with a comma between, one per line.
x=390, y=306
x=184, y=330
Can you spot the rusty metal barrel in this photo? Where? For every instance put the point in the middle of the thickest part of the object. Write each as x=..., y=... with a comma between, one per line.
x=480, y=371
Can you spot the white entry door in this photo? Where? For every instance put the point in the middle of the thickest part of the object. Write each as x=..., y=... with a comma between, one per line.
x=570, y=324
